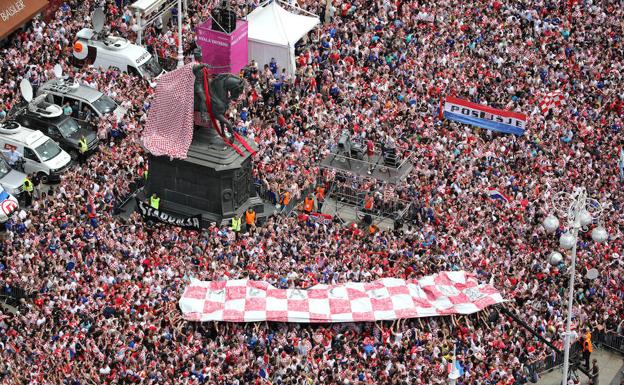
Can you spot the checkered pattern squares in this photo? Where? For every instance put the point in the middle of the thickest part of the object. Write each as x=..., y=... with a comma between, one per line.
x=551, y=100
x=319, y=309
x=169, y=127
x=385, y=299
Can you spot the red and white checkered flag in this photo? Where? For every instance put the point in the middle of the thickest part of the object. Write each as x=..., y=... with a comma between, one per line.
x=531, y=56
x=243, y=300
x=169, y=128
x=551, y=100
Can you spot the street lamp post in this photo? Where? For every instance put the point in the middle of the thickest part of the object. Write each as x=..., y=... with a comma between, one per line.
x=579, y=211
x=180, y=51
x=452, y=377
x=454, y=374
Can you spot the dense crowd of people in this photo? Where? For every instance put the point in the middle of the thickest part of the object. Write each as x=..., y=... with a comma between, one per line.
x=105, y=289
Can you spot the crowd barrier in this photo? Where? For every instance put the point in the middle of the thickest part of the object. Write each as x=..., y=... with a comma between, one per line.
x=134, y=188
x=609, y=340
x=395, y=209
x=286, y=210
x=553, y=360
x=12, y=295
x=274, y=198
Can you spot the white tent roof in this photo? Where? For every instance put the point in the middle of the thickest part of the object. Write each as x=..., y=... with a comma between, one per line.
x=273, y=24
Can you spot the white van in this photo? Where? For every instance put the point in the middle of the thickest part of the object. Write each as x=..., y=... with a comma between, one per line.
x=41, y=155
x=114, y=52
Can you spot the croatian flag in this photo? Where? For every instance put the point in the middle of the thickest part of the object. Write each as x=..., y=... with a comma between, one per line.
x=483, y=116
x=459, y=369
x=551, y=100
x=496, y=194
x=455, y=369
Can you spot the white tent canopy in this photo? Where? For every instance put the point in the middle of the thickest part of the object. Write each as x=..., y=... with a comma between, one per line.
x=274, y=31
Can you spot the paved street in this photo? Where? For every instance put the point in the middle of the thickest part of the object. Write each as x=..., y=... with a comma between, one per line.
x=610, y=365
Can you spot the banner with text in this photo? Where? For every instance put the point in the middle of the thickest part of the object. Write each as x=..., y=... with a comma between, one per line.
x=320, y=218
x=243, y=300
x=148, y=212
x=483, y=116
x=223, y=52
x=14, y=13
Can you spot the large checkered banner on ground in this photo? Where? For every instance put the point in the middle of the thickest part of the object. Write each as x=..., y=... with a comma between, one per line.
x=244, y=300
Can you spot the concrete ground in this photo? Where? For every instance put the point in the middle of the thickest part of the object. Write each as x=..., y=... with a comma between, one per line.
x=619, y=378
x=610, y=364
x=348, y=214
x=7, y=308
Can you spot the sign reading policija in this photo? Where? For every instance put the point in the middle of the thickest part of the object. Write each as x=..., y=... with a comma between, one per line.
x=148, y=212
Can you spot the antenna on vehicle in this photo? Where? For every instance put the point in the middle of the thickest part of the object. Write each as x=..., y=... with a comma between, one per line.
x=26, y=89
x=58, y=71
x=98, y=18
x=58, y=74
x=38, y=105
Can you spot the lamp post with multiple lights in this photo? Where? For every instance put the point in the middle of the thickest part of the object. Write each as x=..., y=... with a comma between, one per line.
x=579, y=211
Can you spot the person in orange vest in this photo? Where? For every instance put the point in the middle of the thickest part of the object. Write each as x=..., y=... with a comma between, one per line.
x=372, y=229
x=250, y=219
x=587, y=347
x=320, y=194
x=308, y=204
x=285, y=198
x=368, y=202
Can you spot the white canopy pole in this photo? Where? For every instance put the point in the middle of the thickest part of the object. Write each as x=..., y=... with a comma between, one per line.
x=180, y=50
x=140, y=32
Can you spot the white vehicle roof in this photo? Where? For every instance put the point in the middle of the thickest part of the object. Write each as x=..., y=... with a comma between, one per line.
x=85, y=33
x=147, y=6
x=78, y=91
x=26, y=136
x=117, y=46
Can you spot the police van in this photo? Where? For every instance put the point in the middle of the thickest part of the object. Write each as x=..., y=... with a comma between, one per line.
x=84, y=100
x=41, y=155
x=114, y=52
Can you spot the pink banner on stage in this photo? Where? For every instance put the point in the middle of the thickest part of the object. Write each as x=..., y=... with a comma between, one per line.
x=223, y=52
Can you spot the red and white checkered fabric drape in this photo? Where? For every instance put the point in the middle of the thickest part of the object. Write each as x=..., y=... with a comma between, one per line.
x=551, y=100
x=386, y=299
x=169, y=128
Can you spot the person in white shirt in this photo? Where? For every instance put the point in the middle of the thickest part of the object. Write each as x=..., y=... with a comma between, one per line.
x=12, y=156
